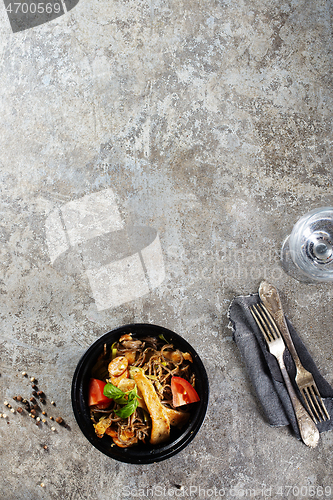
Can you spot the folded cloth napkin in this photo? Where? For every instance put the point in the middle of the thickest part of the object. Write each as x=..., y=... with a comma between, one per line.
x=264, y=371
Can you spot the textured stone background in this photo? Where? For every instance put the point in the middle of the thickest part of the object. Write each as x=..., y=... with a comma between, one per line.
x=211, y=120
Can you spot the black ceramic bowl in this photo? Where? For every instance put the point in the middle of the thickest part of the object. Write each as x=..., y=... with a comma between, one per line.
x=142, y=453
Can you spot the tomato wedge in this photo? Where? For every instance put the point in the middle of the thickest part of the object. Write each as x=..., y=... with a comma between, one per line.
x=96, y=396
x=183, y=393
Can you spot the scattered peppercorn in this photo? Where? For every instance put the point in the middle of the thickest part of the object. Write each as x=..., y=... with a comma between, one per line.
x=32, y=407
x=45, y=447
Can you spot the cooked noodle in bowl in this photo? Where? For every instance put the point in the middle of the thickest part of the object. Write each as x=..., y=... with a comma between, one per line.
x=150, y=375
x=140, y=393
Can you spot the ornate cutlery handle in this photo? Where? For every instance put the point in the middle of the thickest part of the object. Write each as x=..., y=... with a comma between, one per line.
x=269, y=296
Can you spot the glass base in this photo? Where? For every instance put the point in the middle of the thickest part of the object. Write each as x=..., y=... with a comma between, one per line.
x=289, y=266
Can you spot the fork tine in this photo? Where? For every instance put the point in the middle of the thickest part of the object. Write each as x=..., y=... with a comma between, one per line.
x=267, y=323
x=320, y=404
x=260, y=323
x=317, y=403
x=307, y=398
x=312, y=395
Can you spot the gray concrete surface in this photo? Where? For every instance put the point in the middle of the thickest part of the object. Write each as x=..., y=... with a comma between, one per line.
x=211, y=123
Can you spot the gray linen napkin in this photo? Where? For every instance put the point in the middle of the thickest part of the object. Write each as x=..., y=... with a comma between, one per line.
x=264, y=371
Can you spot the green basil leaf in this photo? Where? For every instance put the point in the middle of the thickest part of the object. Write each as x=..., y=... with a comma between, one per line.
x=112, y=392
x=133, y=394
x=129, y=399
x=128, y=409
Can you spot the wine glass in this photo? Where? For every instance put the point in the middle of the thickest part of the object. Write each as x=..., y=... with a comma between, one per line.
x=307, y=253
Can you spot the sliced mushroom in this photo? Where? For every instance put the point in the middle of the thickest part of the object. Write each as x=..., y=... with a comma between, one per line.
x=126, y=336
x=102, y=426
x=131, y=344
x=174, y=356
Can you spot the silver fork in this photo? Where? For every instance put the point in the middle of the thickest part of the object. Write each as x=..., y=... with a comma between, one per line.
x=307, y=428
x=304, y=379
